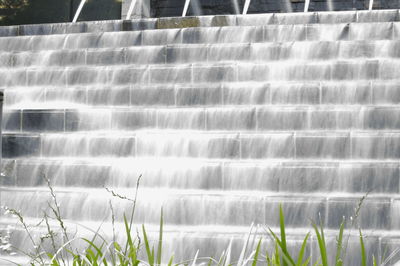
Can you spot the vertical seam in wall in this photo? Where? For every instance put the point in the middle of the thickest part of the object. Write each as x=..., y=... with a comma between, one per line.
x=64, y=117
x=45, y=95
x=294, y=145
x=175, y=91
x=223, y=166
x=41, y=145
x=221, y=92
x=86, y=95
x=240, y=138
x=130, y=95
x=351, y=144
x=136, y=144
x=327, y=209
x=306, y=31
x=320, y=93
x=205, y=111
x=380, y=247
x=125, y=54
x=371, y=96
x=398, y=173
x=392, y=31
x=21, y=118
x=256, y=117
x=67, y=75
x=165, y=53
x=207, y=47
x=157, y=112
x=149, y=72
x=191, y=74
x=236, y=72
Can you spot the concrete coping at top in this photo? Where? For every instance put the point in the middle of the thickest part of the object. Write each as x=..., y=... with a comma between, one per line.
x=361, y=16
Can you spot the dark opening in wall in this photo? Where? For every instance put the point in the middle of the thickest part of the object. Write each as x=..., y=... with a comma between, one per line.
x=169, y=8
x=16, y=12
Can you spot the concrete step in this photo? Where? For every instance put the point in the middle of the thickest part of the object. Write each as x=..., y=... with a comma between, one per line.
x=346, y=94
x=283, y=176
x=206, y=35
x=201, y=207
x=198, y=53
x=257, y=118
x=345, y=145
x=211, y=73
x=210, y=241
x=361, y=16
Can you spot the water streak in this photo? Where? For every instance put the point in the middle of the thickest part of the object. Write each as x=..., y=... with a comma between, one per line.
x=235, y=4
x=246, y=7
x=79, y=10
x=185, y=8
x=330, y=5
x=196, y=7
x=131, y=8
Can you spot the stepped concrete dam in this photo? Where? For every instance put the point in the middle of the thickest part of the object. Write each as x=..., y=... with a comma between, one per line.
x=223, y=119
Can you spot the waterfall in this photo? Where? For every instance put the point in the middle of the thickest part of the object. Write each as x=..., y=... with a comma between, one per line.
x=223, y=123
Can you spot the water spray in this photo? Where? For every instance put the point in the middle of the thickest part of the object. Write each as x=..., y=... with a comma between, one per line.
x=130, y=10
x=78, y=11
x=246, y=7
x=185, y=8
x=306, y=5
x=235, y=6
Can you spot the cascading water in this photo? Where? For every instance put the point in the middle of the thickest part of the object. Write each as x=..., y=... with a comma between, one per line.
x=224, y=122
x=287, y=6
x=330, y=5
x=236, y=8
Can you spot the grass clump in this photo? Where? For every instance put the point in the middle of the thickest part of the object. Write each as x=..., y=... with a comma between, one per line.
x=137, y=249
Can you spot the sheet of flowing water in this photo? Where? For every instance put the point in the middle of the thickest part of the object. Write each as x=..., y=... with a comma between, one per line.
x=223, y=124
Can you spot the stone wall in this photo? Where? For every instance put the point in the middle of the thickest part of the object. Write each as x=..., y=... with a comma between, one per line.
x=168, y=8
x=52, y=11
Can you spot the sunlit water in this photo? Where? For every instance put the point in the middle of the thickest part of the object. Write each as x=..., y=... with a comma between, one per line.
x=223, y=123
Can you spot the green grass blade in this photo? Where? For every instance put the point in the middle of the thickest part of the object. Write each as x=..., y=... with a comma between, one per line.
x=363, y=255
x=171, y=260
x=286, y=259
x=119, y=253
x=128, y=232
x=160, y=239
x=321, y=244
x=275, y=237
x=99, y=252
x=283, y=233
x=221, y=259
x=150, y=254
x=338, y=260
x=374, y=263
x=307, y=262
x=302, y=251
x=277, y=258
x=256, y=254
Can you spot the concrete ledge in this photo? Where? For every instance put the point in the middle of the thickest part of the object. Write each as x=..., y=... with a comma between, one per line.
x=204, y=21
